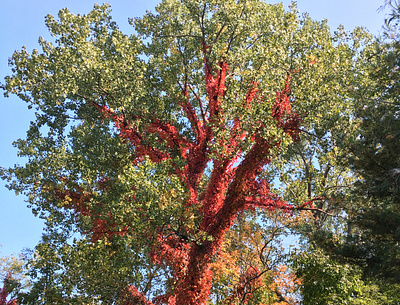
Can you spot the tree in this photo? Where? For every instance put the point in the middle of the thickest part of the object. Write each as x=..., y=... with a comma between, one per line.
x=373, y=156
x=364, y=240
x=146, y=148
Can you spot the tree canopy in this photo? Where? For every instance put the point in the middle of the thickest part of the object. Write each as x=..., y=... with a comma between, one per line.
x=373, y=156
x=153, y=157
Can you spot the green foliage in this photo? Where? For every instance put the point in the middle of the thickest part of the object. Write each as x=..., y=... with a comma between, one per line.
x=81, y=273
x=326, y=281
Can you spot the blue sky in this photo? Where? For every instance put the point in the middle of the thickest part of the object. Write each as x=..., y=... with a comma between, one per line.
x=22, y=22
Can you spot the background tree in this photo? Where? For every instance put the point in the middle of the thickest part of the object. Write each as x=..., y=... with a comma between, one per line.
x=373, y=150
x=366, y=237
x=147, y=147
x=376, y=158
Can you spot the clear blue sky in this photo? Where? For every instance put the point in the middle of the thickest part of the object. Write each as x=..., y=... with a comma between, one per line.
x=22, y=22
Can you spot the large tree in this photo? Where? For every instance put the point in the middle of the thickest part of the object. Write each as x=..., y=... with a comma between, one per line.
x=147, y=147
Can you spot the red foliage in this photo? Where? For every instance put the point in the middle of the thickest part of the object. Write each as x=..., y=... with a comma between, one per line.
x=134, y=297
x=282, y=112
x=249, y=282
x=175, y=252
x=233, y=186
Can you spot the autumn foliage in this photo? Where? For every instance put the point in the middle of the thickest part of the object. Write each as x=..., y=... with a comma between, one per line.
x=234, y=186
